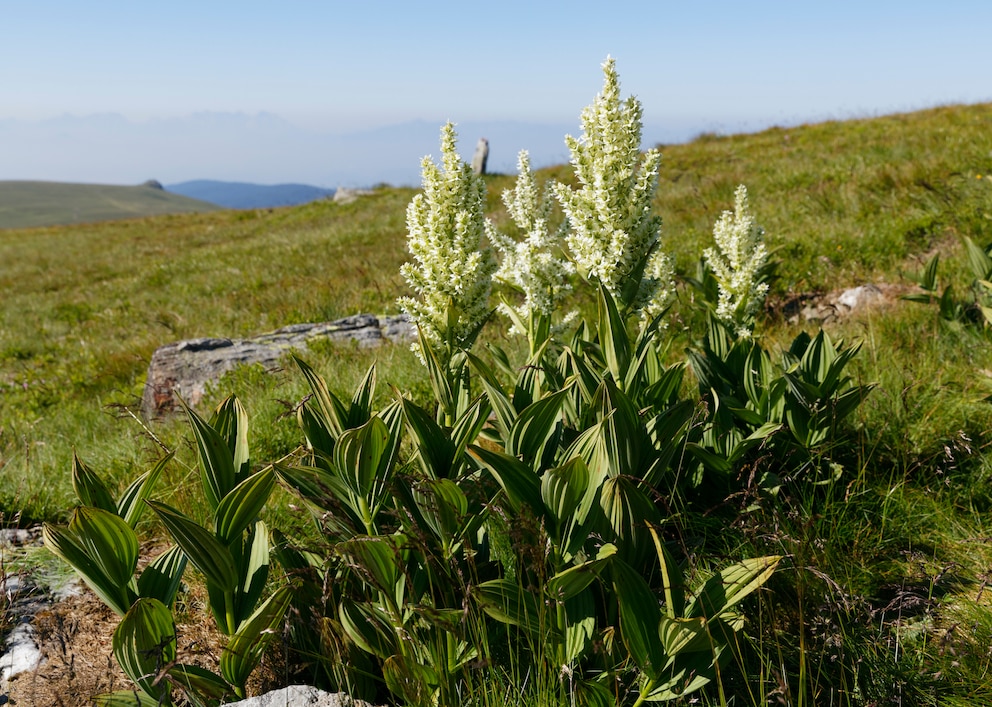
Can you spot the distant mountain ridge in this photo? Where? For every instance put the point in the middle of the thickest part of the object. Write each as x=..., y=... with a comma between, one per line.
x=244, y=195
x=26, y=204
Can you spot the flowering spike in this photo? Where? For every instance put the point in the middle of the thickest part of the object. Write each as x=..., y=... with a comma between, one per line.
x=530, y=266
x=737, y=265
x=614, y=238
x=450, y=274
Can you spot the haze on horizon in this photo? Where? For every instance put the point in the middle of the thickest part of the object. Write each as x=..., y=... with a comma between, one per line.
x=334, y=94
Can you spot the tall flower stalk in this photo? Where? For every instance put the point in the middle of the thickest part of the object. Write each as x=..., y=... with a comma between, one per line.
x=533, y=266
x=738, y=264
x=614, y=237
x=451, y=274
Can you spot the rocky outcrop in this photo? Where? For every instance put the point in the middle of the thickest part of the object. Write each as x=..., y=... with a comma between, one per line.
x=841, y=304
x=185, y=368
x=300, y=696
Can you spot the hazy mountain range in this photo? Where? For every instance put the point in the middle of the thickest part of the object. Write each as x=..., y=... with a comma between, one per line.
x=265, y=149
x=242, y=195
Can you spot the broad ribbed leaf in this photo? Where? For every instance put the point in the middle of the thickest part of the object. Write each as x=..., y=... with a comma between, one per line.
x=369, y=628
x=376, y=558
x=639, y=619
x=89, y=487
x=627, y=506
x=245, y=648
x=362, y=457
x=732, y=584
x=613, y=336
x=64, y=544
x=361, y=401
x=563, y=488
x=533, y=434
x=239, y=508
x=108, y=541
x=315, y=429
x=518, y=480
x=568, y=583
x=216, y=463
x=200, y=681
x=144, y=644
x=443, y=506
x=125, y=698
x=440, y=383
x=206, y=553
x=580, y=625
x=255, y=571
x=468, y=427
x=502, y=408
x=326, y=407
x=978, y=259
x=162, y=577
x=672, y=582
x=231, y=422
x=413, y=681
x=434, y=448
x=409, y=680
x=510, y=603
x=131, y=505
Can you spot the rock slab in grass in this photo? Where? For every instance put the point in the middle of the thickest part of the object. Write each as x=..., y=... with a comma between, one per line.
x=300, y=696
x=185, y=368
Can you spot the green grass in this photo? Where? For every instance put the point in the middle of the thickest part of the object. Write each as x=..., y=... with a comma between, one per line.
x=31, y=204
x=844, y=203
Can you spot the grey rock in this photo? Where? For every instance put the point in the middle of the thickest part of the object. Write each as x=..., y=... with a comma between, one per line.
x=185, y=368
x=844, y=303
x=481, y=156
x=300, y=696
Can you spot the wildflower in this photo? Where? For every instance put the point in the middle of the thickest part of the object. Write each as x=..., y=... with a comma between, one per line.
x=737, y=265
x=614, y=238
x=451, y=275
x=530, y=266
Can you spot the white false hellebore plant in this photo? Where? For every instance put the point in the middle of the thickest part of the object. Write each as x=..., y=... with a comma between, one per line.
x=531, y=266
x=451, y=275
x=737, y=263
x=614, y=238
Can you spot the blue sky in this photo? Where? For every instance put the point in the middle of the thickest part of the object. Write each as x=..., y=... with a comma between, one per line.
x=329, y=68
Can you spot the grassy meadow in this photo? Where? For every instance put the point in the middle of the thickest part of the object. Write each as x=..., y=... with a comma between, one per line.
x=882, y=597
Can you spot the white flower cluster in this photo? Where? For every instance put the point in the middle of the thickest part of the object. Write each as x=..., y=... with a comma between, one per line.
x=737, y=265
x=451, y=274
x=531, y=265
x=614, y=238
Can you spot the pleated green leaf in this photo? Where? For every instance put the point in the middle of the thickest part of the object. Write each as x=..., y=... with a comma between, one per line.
x=64, y=544
x=125, y=698
x=231, y=422
x=730, y=585
x=217, y=471
x=162, y=577
x=144, y=644
x=245, y=648
x=200, y=681
x=206, y=553
x=639, y=619
x=89, y=487
x=368, y=627
x=241, y=506
x=108, y=541
x=518, y=480
x=255, y=571
x=131, y=505
x=569, y=583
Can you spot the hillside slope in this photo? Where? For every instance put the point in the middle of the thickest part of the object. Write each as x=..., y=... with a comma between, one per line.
x=26, y=204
